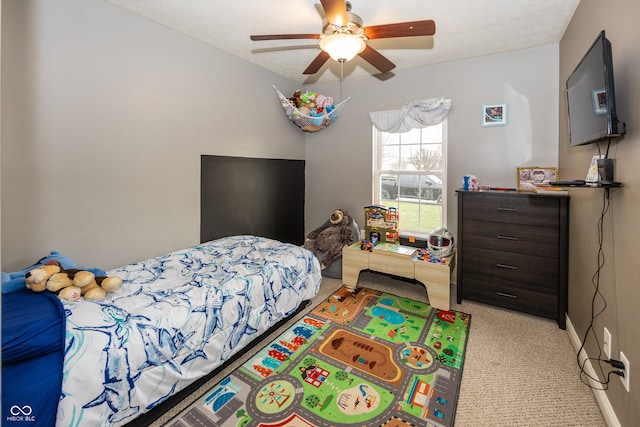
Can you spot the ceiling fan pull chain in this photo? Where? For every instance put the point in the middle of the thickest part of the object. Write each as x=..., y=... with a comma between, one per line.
x=341, y=80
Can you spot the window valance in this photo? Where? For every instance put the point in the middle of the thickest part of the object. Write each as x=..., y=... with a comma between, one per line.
x=413, y=115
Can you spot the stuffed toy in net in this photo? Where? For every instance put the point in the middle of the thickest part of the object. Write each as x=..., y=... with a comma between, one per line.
x=310, y=111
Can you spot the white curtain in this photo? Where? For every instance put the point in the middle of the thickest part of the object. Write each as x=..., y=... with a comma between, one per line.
x=413, y=115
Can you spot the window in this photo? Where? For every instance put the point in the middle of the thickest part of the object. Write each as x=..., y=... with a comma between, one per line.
x=410, y=174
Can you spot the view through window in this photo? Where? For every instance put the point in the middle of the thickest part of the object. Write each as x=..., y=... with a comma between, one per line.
x=410, y=173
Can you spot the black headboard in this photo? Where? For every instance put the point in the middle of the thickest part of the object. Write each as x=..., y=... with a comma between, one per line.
x=260, y=197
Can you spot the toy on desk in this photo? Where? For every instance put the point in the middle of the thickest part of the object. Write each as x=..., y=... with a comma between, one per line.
x=375, y=238
x=425, y=255
x=440, y=242
x=383, y=221
x=366, y=245
x=392, y=214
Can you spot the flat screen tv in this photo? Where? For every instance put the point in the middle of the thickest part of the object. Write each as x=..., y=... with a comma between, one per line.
x=591, y=97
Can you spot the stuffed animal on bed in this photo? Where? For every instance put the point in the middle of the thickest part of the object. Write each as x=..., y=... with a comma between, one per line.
x=71, y=284
x=100, y=285
x=14, y=281
x=331, y=237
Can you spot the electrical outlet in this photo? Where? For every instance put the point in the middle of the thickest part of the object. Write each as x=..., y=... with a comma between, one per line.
x=607, y=343
x=626, y=380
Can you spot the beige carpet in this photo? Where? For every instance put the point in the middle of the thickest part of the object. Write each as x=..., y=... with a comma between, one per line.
x=519, y=370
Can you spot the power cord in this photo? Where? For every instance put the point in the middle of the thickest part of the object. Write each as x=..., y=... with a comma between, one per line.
x=614, y=363
x=597, y=295
x=606, y=155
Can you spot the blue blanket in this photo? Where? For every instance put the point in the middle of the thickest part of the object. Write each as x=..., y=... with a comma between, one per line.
x=33, y=343
x=33, y=339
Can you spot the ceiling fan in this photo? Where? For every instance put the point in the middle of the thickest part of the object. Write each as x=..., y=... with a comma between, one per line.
x=344, y=37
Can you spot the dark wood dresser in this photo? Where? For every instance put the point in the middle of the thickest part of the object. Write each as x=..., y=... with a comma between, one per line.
x=513, y=251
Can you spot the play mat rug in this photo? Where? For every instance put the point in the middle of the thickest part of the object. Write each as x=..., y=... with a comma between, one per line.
x=366, y=358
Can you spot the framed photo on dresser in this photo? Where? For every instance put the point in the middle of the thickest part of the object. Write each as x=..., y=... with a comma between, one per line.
x=530, y=177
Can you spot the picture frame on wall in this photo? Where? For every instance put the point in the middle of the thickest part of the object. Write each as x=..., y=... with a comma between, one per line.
x=532, y=176
x=494, y=114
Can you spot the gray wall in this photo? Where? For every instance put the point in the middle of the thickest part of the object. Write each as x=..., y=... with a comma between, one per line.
x=105, y=116
x=619, y=278
x=339, y=158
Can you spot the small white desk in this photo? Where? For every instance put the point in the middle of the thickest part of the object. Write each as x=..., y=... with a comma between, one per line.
x=435, y=277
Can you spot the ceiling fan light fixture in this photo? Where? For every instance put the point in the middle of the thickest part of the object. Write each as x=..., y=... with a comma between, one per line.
x=342, y=47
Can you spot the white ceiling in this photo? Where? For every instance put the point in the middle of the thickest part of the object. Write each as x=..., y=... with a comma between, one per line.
x=464, y=29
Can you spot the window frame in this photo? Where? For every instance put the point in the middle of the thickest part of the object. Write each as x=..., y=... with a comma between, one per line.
x=378, y=172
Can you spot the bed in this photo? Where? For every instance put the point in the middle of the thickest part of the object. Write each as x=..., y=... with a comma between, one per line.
x=174, y=320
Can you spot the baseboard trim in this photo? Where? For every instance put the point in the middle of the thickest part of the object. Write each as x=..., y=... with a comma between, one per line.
x=601, y=396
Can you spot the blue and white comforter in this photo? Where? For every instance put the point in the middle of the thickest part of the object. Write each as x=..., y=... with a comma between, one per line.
x=175, y=319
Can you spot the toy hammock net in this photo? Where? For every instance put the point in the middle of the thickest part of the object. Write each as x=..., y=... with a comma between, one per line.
x=308, y=122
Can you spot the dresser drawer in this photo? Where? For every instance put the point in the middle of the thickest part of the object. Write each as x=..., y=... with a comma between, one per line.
x=509, y=294
x=513, y=266
x=390, y=263
x=512, y=209
x=532, y=240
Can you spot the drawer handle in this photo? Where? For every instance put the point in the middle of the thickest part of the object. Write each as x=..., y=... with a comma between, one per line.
x=507, y=209
x=502, y=294
x=509, y=267
x=506, y=237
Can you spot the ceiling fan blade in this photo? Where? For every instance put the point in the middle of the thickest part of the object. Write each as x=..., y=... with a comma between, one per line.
x=336, y=12
x=376, y=59
x=401, y=29
x=317, y=63
x=284, y=36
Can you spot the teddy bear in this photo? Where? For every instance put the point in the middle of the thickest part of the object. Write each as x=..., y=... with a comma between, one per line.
x=71, y=284
x=331, y=237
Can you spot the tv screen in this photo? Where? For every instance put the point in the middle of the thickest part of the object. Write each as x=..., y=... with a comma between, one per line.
x=591, y=97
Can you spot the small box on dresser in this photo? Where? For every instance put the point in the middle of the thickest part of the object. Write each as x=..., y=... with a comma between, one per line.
x=513, y=251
